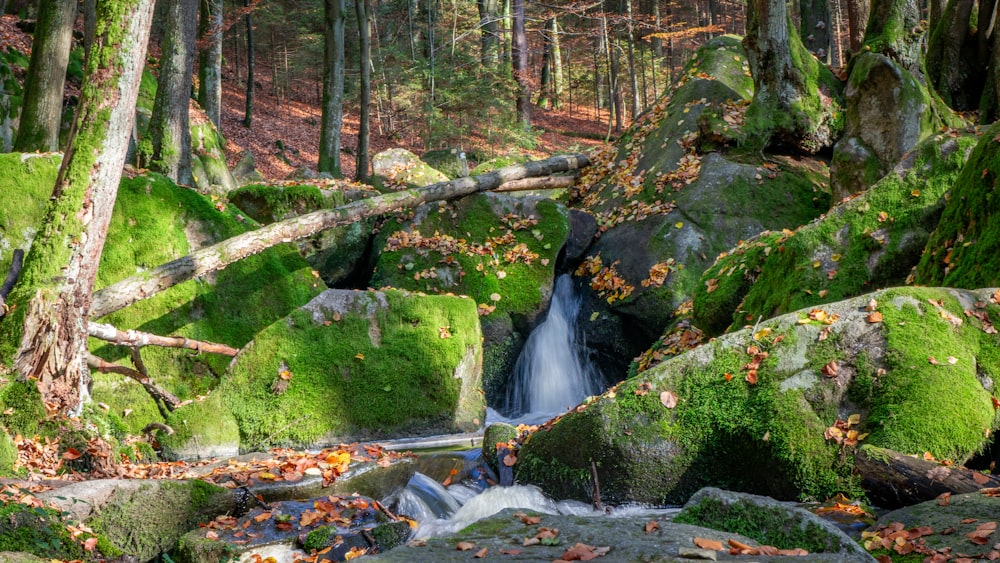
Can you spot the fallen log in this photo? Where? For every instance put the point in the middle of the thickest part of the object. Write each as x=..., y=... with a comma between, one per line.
x=220, y=255
x=893, y=480
x=170, y=401
x=138, y=339
x=540, y=183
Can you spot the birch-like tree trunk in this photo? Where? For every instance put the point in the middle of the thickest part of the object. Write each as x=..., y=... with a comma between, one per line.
x=333, y=87
x=363, y=162
x=210, y=60
x=41, y=112
x=519, y=56
x=53, y=297
x=489, y=26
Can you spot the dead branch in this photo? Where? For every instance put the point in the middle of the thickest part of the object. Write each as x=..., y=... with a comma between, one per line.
x=138, y=339
x=541, y=183
x=158, y=393
x=220, y=255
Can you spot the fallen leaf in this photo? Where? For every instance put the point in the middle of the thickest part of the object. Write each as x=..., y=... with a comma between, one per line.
x=90, y=543
x=584, y=552
x=669, y=399
x=464, y=545
x=944, y=498
x=751, y=377
x=212, y=535
x=830, y=369
x=481, y=553
x=874, y=317
x=652, y=526
x=71, y=454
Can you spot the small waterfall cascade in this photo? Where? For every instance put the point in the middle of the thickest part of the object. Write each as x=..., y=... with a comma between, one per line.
x=552, y=374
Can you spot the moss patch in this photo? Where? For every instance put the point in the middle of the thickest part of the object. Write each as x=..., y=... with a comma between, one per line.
x=387, y=364
x=26, y=183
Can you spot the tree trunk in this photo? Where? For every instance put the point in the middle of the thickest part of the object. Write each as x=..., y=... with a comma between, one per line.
x=545, y=84
x=890, y=31
x=935, y=12
x=632, y=75
x=55, y=292
x=815, y=28
x=333, y=87
x=169, y=126
x=218, y=256
x=893, y=480
x=210, y=61
x=944, y=54
x=857, y=21
x=519, y=56
x=41, y=111
x=984, y=32
x=990, y=102
x=89, y=22
x=364, y=126
x=558, y=80
x=489, y=25
x=248, y=111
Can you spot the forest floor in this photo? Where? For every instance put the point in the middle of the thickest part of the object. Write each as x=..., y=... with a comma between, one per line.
x=295, y=122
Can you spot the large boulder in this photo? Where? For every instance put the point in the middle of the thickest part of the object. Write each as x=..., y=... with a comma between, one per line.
x=356, y=365
x=873, y=240
x=399, y=169
x=451, y=162
x=338, y=253
x=667, y=204
x=910, y=369
x=498, y=249
x=154, y=222
x=964, y=250
x=889, y=111
x=208, y=157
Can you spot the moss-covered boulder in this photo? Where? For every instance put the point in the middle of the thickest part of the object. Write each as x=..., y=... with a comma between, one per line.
x=10, y=95
x=201, y=429
x=337, y=253
x=871, y=241
x=26, y=183
x=947, y=523
x=667, y=206
x=154, y=222
x=889, y=111
x=451, y=162
x=497, y=249
x=964, y=250
x=208, y=157
x=762, y=412
x=398, y=169
x=354, y=365
x=141, y=518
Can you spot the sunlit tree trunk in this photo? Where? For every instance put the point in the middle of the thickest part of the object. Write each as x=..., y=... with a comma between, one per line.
x=519, y=54
x=333, y=87
x=169, y=126
x=558, y=80
x=210, y=61
x=41, y=111
x=248, y=110
x=489, y=26
x=54, y=294
x=364, y=126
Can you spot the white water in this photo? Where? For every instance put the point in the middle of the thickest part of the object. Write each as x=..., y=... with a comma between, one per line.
x=551, y=375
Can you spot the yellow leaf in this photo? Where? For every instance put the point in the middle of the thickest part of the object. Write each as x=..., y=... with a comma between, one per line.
x=359, y=356
x=854, y=419
x=678, y=224
x=816, y=264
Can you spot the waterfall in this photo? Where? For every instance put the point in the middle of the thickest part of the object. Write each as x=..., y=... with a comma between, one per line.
x=551, y=374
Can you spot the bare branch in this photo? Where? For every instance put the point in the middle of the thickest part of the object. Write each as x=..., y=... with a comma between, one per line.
x=154, y=390
x=137, y=339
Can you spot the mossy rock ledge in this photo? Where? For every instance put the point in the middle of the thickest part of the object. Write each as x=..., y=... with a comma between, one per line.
x=359, y=365
x=399, y=169
x=921, y=379
x=873, y=240
x=497, y=249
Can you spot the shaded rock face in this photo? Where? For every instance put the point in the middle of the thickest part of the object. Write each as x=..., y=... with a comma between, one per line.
x=873, y=240
x=396, y=169
x=750, y=411
x=889, y=111
x=356, y=365
x=451, y=162
x=498, y=249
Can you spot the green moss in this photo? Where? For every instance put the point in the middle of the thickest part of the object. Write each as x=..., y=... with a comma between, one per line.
x=371, y=374
x=865, y=243
x=963, y=250
x=40, y=531
x=155, y=222
x=768, y=525
x=497, y=163
x=199, y=428
x=24, y=402
x=8, y=454
x=268, y=204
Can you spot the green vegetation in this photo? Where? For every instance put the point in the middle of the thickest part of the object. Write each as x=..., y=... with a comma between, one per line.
x=37, y=530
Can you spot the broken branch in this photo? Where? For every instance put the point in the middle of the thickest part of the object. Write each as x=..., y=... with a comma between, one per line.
x=154, y=390
x=137, y=339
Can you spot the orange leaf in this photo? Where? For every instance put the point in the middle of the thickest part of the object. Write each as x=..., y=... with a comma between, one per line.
x=481, y=553
x=71, y=454
x=944, y=498
x=464, y=545
x=652, y=526
x=90, y=544
x=751, y=377
x=706, y=543
x=830, y=369
x=669, y=399
x=874, y=317
x=979, y=478
x=509, y=460
x=211, y=534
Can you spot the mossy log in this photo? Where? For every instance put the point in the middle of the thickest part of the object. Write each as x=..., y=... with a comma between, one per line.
x=218, y=256
x=893, y=480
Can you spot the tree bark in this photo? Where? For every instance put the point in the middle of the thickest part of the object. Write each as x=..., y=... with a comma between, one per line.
x=815, y=28
x=169, y=126
x=248, y=109
x=333, y=87
x=361, y=172
x=519, y=56
x=218, y=256
x=41, y=112
x=210, y=61
x=935, y=12
x=944, y=54
x=489, y=40
x=857, y=21
x=545, y=84
x=892, y=480
x=55, y=292
x=984, y=32
x=557, y=68
x=633, y=77
x=894, y=30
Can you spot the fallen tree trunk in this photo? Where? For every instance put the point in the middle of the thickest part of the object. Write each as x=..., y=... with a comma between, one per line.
x=892, y=480
x=218, y=256
x=137, y=339
x=540, y=183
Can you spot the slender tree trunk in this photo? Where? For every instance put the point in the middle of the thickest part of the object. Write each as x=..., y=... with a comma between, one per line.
x=169, y=126
x=210, y=61
x=364, y=127
x=519, y=54
x=41, y=111
x=633, y=78
x=54, y=295
x=89, y=23
x=545, y=84
x=507, y=43
x=815, y=28
x=944, y=52
x=935, y=12
x=248, y=111
x=558, y=81
x=857, y=20
x=489, y=24
x=614, y=81
x=218, y=256
x=984, y=32
x=333, y=87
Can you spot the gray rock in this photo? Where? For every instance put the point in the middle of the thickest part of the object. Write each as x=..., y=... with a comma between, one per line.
x=961, y=513
x=396, y=169
x=451, y=162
